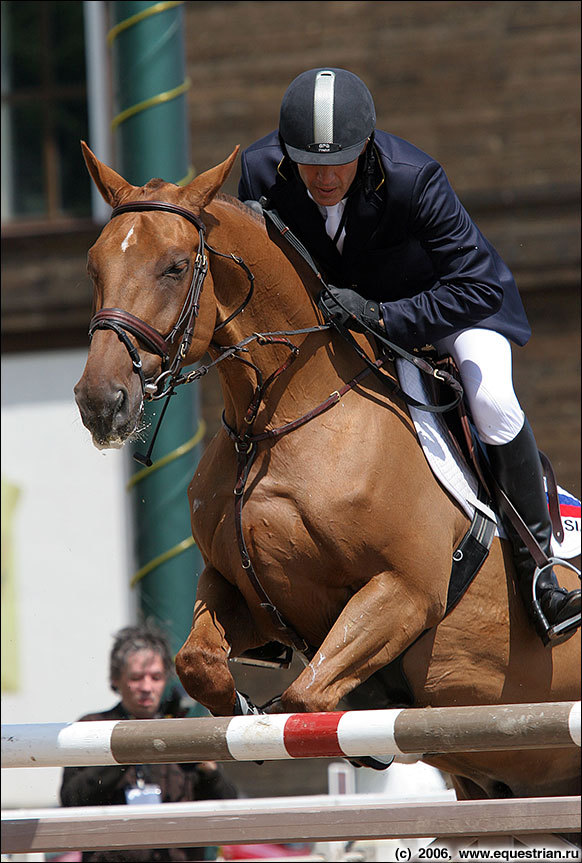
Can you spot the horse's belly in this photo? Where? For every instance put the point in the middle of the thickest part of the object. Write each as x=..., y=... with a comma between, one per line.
x=486, y=650
x=531, y=773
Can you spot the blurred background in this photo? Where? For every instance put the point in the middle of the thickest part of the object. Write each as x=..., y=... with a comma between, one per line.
x=490, y=89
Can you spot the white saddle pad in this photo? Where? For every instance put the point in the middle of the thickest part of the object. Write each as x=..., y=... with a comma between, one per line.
x=454, y=474
x=570, y=513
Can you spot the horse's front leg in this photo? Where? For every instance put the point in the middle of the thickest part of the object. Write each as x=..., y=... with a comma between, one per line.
x=222, y=626
x=375, y=626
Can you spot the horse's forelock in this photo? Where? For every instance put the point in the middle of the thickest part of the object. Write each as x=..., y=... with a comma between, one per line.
x=153, y=185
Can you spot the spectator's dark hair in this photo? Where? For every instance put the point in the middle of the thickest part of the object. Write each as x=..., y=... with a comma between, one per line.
x=129, y=640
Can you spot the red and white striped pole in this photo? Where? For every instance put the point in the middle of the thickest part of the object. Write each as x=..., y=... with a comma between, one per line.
x=271, y=737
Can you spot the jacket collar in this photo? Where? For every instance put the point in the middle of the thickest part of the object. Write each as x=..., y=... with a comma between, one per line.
x=289, y=197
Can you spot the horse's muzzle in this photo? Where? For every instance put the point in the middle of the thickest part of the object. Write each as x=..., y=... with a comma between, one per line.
x=108, y=412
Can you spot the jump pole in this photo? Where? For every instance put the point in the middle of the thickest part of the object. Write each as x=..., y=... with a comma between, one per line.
x=348, y=734
x=284, y=819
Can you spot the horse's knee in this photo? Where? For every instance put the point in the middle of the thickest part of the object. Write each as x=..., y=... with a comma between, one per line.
x=205, y=676
x=191, y=666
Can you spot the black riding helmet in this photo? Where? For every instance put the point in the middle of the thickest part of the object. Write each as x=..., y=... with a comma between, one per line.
x=327, y=115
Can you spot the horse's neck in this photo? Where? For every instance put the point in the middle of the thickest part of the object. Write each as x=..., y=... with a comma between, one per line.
x=281, y=303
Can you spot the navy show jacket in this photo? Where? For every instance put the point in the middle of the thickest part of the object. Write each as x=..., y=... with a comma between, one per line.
x=410, y=244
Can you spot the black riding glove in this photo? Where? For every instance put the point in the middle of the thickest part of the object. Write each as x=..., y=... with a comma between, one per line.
x=350, y=309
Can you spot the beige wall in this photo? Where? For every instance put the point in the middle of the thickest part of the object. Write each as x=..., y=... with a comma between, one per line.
x=491, y=89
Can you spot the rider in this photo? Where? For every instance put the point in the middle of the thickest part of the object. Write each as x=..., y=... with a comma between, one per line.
x=401, y=254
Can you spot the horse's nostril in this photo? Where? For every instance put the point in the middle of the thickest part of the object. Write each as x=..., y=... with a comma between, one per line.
x=121, y=407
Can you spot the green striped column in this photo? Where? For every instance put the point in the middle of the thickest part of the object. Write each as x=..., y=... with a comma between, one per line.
x=151, y=136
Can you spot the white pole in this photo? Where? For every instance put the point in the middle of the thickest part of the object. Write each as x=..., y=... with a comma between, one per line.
x=315, y=818
x=7, y=175
x=98, y=95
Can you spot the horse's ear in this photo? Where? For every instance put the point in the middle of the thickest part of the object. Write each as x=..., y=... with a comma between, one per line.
x=112, y=186
x=203, y=188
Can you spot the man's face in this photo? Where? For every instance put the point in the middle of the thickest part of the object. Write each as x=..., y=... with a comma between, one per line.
x=141, y=684
x=328, y=184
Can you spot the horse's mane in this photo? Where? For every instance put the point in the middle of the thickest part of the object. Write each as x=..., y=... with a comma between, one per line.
x=305, y=275
x=239, y=205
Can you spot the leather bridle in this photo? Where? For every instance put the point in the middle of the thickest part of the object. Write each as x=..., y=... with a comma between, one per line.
x=123, y=323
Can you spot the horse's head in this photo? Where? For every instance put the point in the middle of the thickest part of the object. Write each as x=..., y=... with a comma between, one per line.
x=152, y=316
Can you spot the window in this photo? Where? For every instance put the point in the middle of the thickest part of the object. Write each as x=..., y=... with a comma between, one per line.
x=44, y=112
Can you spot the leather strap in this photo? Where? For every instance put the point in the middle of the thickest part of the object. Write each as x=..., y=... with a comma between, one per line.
x=163, y=206
x=150, y=337
x=245, y=458
x=330, y=401
x=389, y=346
x=553, y=497
x=469, y=556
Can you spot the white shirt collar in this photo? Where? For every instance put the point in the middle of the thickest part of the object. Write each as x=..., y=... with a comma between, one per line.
x=332, y=217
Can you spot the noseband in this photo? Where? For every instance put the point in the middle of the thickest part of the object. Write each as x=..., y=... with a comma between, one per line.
x=122, y=322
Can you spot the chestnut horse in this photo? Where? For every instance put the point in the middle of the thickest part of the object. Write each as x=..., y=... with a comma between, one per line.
x=338, y=538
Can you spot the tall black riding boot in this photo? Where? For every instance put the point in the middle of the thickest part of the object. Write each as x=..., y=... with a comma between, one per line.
x=517, y=468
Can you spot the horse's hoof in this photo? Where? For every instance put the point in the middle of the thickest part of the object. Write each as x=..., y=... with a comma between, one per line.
x=243, y=706
x=381, y=762
x=274, y=705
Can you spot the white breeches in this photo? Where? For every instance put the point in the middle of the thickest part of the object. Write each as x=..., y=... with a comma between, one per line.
x=483, y=358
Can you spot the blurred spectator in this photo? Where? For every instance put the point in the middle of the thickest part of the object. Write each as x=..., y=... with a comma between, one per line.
x=140, y=665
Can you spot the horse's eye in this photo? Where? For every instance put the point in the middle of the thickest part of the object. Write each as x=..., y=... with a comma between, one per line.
x=177, y=270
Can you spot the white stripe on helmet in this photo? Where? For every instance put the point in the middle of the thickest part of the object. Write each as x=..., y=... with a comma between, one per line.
x=323, y=107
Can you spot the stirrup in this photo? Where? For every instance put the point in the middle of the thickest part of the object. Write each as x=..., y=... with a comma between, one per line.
x=560, y=632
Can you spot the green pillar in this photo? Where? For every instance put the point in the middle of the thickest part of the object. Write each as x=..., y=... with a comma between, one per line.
x=151, y=140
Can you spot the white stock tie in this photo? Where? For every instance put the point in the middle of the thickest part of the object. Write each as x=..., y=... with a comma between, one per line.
x=332, y=223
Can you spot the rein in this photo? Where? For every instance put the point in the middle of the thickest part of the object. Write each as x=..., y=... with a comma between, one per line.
x=391, y=348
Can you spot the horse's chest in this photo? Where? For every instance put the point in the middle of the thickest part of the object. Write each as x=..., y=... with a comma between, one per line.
x=213, y=525
x=287, y=517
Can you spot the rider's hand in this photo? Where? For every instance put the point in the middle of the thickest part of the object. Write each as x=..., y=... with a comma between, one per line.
x=350, y=309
